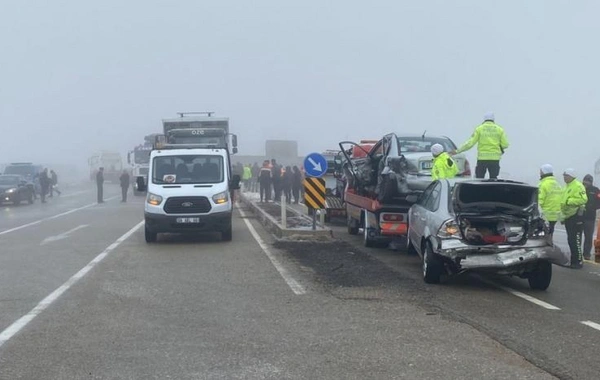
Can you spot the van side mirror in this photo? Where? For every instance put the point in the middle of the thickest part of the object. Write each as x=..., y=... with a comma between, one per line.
x=234, y=150
x=234, y=184
x=141, y=186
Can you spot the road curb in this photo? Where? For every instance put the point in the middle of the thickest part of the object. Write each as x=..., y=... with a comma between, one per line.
x=273, y=226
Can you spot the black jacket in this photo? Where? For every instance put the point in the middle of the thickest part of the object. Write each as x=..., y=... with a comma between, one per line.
x=124, y=179
x=99, y=178
x=593, y=203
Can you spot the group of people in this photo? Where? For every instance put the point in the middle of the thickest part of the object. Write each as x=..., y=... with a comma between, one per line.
x=124, y=181
x=48, y=183
x=273, y=180
x=575, y=205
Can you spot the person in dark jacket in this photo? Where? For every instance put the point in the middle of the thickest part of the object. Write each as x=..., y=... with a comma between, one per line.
x=264, y=180
x=296, y=183
x=100, y=185
x=53, y=183
x=45, y=184
x=286, y=184
x=124, y=179
x=276, y=179
x=589, y=217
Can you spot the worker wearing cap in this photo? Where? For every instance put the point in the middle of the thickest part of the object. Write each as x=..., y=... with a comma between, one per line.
x=491, y=143
x=549, y=196
x=589, y=216
x=572, y=207
x=443, y=165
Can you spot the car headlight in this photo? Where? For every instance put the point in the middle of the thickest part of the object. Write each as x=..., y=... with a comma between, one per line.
x=221, y=198
x=10, y=191
x=154, y=199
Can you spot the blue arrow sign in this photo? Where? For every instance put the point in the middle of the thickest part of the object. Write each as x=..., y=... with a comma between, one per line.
x=315, y=165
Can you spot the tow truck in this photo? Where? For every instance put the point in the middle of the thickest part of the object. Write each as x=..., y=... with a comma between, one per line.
x=377, y=196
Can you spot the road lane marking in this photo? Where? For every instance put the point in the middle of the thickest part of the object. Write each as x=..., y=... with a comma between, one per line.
x=19, y=324
x=296, y=287
x=524, y=296
x=591, y=324
x=62, y=236
x=74, y=193
x=52, y=217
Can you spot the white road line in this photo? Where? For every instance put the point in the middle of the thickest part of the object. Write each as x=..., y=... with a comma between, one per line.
x=52, y=217
x=19, y=324
x=62, y=236
x=591, y=324
x=296, y=287
x=527, y=297
x=74, y=193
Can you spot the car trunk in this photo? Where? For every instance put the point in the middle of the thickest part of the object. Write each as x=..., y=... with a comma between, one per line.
x=495, y=212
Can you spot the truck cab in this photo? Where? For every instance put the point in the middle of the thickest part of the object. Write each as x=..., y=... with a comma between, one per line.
x=190, y=185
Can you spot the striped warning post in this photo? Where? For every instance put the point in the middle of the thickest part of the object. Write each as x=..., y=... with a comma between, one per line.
x=314, y=192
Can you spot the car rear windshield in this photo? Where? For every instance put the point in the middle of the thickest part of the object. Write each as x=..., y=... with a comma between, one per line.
x=187, y=169
x=423, y=145
x=496, y=193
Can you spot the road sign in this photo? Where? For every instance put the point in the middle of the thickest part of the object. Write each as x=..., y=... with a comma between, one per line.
x=314, y=192
x=315, y=165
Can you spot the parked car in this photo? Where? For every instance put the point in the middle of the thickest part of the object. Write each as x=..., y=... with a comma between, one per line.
x=417, y=151
x=489, y=226
x=15, y=189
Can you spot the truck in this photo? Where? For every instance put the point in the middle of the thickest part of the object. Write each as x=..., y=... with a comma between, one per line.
x=190, y=187
x=111, y=162
x=379, y=190
x=139, y=162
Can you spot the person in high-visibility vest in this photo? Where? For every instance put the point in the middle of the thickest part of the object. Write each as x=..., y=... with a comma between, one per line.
x=549, y=196
x=491, y=143
x=572, y=206
x=443, y=165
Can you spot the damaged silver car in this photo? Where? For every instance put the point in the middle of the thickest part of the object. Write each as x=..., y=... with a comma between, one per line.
x=489, y=226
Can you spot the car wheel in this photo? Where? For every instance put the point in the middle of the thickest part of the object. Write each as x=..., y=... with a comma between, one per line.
x=432, y=266
x=541, y=277
x=150, y=236
x=352, y=226
x=227, y=235
x=368, y=241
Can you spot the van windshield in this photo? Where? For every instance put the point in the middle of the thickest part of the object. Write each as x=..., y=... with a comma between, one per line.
x=187, y=169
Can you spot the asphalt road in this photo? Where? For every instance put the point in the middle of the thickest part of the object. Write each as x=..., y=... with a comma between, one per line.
x=83, y=296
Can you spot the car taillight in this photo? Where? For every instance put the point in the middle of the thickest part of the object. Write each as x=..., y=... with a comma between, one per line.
x=449, y=230
x=392, y=217
x=467, y=171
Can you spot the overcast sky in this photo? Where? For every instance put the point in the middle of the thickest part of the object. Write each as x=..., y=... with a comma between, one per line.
x=76, y=76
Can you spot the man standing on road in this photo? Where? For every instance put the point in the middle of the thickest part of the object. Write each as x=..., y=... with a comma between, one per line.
x=255, y=175
x=549, y=196
x=589, y=217
x=491, y=143
x=265, y=182
x=44, y=184
x=276, y=179
x=572, y=207
x=100, y=184
x=53, y=183
x=443, y=165
x=124, y=179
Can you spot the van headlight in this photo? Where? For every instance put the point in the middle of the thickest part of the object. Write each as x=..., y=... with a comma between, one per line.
x=154, y=199
x=221, y=198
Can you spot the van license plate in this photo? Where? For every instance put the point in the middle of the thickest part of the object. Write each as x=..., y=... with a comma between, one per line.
x=188, y=220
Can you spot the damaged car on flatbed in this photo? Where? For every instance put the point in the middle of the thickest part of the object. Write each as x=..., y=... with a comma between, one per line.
x=485, y=226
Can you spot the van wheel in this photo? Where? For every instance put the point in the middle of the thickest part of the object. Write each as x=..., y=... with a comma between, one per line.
x=432, y=266
x=541, y=277
x=227, y=235
x=150, y=236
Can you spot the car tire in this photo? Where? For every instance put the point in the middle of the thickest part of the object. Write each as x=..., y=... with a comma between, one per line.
x=227, y=235
x=150, y=236
x=352, y=226
x=541, y=277
x=432, y=266
x=367, y=240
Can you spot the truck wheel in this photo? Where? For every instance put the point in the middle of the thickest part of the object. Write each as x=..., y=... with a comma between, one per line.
x=432, y=266
x=227, y=235
x=150, y=236
x=352, y=227
x=368, y=241
x=541, y=277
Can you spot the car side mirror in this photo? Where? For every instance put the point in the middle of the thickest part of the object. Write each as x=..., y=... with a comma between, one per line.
x=234, y=184
x=141, y=186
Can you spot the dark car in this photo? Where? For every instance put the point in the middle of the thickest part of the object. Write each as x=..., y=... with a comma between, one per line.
x=15, y=189
x=28, y=170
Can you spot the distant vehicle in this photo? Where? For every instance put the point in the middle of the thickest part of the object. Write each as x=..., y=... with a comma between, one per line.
x=110, y=161
x=15, y=189
x=490, y=226
x=417, y=151
x=139, y=161
x=28, y=170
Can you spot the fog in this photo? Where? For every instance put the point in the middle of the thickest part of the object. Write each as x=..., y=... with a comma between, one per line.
x=77, y=76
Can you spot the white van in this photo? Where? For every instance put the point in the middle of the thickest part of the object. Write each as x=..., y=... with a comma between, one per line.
x=189, y=190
